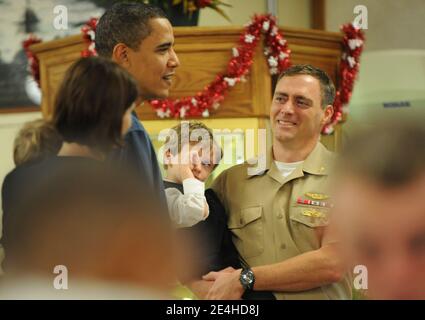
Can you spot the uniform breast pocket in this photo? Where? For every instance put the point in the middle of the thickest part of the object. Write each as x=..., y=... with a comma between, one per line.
x=248, y=231
x=310, y=216
x=308, y=225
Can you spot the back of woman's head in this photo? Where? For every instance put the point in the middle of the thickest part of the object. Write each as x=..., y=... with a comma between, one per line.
x=91, y=102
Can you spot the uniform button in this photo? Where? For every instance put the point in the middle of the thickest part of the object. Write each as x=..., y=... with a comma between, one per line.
x=240, y=221
x=280, y=216
x=283, y=246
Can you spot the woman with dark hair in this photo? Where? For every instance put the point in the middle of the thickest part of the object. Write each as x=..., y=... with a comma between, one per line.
x=93, y=107
x=92, y=114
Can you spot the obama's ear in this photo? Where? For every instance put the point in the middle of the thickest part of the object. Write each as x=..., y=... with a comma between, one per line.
x=120, y=54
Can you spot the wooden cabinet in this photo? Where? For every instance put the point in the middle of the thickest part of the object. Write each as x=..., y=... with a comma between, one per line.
x=204, y=52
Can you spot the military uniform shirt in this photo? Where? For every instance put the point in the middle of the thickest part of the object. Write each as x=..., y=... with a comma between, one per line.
x=269, y=220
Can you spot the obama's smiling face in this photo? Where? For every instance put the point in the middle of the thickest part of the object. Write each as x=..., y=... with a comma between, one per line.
x=154, y=62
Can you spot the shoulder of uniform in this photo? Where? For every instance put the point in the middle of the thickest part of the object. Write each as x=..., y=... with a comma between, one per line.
x=330, y=155
x=330, y=158
x=235, y=170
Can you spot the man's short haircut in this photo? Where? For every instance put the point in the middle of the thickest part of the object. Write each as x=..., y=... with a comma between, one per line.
x=390, y=154
x=91, y=102
x=35, y=141
x=327, y=87
x=126, y=23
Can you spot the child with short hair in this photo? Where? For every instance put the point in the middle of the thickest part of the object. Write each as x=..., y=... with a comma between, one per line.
x=214, y=246
x=188, y=165
x=36, y=140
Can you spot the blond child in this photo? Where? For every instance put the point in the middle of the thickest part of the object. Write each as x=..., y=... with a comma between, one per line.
x=35, y=141
x=188, y=162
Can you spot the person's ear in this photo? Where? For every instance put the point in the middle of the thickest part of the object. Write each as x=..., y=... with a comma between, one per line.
x=120, y=54
x=167, y=157
x=327, y=114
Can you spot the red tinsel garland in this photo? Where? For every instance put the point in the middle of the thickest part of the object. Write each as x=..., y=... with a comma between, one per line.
x=33, y=65
x=349, y=67
x=277, y=55
x=88, y=31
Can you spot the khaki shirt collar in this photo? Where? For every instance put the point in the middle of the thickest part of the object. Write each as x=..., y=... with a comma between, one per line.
x=317, y=163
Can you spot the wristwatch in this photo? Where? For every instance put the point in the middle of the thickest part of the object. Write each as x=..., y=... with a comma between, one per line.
x=247, y=279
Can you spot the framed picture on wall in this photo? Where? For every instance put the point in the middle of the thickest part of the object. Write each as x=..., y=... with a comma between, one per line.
x=19, y=18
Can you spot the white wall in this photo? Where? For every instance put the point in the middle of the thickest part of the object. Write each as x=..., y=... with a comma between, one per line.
x=392, y=24
x=294, y=13
x=392, y=67
x=291, y=13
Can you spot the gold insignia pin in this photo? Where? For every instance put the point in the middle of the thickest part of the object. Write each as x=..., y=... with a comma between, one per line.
x=317, y=196
x=313, y=213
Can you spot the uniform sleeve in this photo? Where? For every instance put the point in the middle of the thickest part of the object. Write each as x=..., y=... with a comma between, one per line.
x=187, y=209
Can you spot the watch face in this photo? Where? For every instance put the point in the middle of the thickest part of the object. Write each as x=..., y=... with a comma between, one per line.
x=247, y=278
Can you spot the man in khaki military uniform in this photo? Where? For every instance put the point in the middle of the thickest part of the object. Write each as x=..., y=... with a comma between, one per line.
x=279, y=215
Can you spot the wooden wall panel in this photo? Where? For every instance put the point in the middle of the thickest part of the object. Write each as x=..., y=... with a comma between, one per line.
x=204, y=52
x=55, y=57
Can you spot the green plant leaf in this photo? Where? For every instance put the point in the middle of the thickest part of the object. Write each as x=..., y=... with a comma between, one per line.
x=221, y=12
x=223, y=4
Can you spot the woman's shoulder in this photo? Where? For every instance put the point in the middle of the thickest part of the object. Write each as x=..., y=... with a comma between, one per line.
x=21, y=171
x=33, y=171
